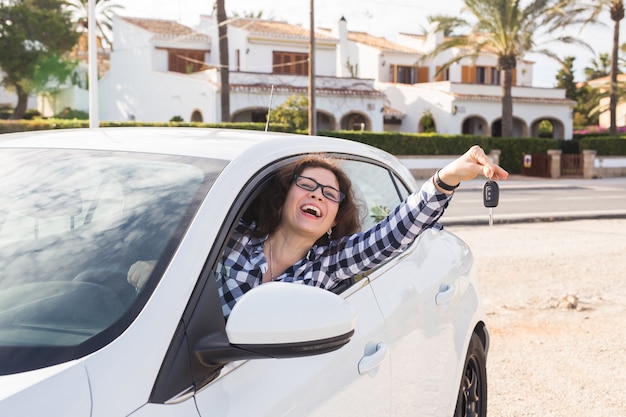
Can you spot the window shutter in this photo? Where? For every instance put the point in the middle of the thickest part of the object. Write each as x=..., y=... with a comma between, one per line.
x=423, y=74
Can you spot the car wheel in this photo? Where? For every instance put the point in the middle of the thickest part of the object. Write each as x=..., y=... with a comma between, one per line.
x=472, y=399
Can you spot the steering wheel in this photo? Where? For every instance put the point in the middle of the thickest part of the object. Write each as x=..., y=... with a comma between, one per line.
x=112, y=277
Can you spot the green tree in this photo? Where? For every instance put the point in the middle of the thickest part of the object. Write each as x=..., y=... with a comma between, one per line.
x=105, y=10
x=294, y=112
x=565, y=78
x=595, y=8
x=31, y=31
x=51, y=75
x=587, y=111
x=509, y=30
x=600, y=67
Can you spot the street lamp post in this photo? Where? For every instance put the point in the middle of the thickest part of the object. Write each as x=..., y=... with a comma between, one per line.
x=92, y=65
x=312, y=118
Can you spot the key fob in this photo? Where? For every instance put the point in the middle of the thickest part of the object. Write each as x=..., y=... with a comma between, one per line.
x=491, y=194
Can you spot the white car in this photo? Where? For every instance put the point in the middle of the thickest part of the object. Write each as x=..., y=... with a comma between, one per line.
x=78, y=207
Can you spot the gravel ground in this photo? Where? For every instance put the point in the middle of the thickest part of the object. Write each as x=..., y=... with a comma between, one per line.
x=555, y=296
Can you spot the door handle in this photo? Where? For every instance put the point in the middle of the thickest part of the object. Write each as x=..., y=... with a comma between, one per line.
x=369, y=364
x=445, y=294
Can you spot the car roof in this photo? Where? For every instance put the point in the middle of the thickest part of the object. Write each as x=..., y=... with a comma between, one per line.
x=225, y=144
x=244, y=149
x=215, y=143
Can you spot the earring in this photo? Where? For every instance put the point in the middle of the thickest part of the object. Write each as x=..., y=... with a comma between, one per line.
x=330, y=232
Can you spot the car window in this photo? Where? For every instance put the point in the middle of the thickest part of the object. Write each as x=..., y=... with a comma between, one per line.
x=376, y=187
x=71, y=224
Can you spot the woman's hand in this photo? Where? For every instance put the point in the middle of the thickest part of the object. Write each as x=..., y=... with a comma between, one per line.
x=139, y=272
x=469, y=165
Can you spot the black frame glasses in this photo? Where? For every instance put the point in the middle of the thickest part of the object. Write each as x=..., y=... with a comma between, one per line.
x=309, y=184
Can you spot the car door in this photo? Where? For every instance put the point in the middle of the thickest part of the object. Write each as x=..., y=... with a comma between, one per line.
x=418, y=295
x=354, y=379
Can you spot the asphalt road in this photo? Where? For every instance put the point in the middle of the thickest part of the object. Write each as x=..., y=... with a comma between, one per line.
x=528, y=199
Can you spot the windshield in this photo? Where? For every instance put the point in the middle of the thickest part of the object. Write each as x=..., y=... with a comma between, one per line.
x=71, y=224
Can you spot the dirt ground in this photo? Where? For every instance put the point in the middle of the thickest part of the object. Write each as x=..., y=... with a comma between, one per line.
x=555, y=296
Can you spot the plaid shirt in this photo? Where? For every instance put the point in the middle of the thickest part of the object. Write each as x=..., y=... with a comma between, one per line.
x=244, y=262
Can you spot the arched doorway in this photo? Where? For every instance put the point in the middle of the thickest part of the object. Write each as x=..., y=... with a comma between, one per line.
x=355, y=121
x=254, y=115
x=427, y=123
x=474, y=125
x=547, y=128
x=520, y=130
x=325, y=121
x=196, y=116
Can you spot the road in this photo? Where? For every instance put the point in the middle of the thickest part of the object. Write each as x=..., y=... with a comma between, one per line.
x=524, y=199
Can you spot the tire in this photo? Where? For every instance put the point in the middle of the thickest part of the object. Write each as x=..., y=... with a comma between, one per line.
x=472, y=399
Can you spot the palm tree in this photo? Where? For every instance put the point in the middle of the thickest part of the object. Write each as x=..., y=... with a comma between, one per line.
x=616, y=11
x=508, y=30
x=105, y=10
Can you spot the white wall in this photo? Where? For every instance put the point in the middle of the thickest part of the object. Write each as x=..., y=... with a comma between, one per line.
x=138, y=86
x=370, y=64
x=439, y=99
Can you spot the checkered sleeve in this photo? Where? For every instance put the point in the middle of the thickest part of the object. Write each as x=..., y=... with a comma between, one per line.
x=360, y=252
x=238, y=270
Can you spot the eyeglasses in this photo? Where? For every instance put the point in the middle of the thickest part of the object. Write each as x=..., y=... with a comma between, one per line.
x=310, y=184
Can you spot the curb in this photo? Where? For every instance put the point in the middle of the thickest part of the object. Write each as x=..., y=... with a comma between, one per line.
x=544, y=218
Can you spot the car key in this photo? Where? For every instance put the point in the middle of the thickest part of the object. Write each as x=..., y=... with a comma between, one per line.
x=491, y=195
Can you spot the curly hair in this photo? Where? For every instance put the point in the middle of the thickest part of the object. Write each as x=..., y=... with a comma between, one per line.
x=271, y=200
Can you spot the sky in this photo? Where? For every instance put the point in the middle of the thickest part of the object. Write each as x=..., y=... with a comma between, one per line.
x=385, y=18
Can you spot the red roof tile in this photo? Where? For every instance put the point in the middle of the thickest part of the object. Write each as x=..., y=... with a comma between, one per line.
x=271, y=28
x=381, y=44
x=167, y=28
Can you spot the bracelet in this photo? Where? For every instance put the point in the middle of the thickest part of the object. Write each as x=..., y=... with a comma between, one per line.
x=443, y=185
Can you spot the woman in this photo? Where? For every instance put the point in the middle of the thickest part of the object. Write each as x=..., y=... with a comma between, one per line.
x=306, y=228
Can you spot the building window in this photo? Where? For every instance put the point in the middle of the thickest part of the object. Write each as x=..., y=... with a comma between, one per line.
x=495, y=76
x=185, y=61
x=290, y=63
x=487, y=75
x=481, y=75
x=403, y=74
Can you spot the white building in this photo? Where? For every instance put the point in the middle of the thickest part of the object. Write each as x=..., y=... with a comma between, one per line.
x=161, y=69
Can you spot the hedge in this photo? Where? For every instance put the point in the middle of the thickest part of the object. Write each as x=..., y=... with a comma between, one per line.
x=611, y=146
x=395, y=143
x=511, y=157
x=8, y=126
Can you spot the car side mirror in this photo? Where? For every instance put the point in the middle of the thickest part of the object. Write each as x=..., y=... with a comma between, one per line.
x=283, y=320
